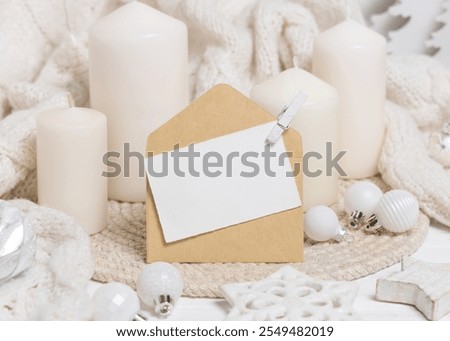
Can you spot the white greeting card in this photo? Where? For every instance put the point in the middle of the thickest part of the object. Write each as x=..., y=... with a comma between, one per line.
x=221, y=182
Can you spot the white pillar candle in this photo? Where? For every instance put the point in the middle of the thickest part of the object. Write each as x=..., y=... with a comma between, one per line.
x=70, y=147
x=316, y=121
x=351, y=57
x=138, y=78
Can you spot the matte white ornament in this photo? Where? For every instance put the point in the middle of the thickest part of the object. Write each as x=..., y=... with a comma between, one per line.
x=397, y=211
x=360, y=201
x=424, y=285
x=17, y=242
x=160, y=285
x=321, y=224
x=290, y=295
x=115, y=302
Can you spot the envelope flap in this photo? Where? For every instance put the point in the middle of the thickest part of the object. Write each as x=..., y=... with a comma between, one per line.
x=221, y=111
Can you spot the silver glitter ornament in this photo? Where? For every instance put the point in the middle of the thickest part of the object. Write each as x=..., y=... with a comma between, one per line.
x=17, y=242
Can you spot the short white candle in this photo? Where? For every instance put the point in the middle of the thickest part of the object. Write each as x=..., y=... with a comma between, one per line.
x=352, y=57
x=316, y=121
x=70, y=147
x=139, y=79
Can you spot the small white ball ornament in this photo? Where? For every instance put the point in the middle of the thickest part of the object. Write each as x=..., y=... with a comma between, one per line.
x=397, y=212
x=115, y=302
x=439, y=149
x=360, y=201
x=321, y=224
x=160, y=285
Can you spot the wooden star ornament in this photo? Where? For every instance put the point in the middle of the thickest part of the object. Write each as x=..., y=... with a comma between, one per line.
x=424, y=285
x=291, y=295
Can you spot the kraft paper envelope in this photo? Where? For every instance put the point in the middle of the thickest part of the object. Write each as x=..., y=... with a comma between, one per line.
x=275, y=238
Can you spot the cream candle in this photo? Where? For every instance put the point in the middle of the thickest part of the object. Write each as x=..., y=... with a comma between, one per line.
x=70, y=147
x=351, y=57
x=316, y=121
x=138, y=78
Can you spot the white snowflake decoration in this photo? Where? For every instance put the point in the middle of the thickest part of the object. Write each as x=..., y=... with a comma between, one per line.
x=291, y=295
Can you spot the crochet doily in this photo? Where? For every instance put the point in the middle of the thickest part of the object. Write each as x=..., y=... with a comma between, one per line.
x=120, y=253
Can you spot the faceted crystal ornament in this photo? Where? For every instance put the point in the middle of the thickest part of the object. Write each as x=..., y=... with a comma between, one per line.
x=114, y=302
x=17, y=242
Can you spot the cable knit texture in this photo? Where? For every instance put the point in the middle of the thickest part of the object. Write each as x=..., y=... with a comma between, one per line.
x=239, y=42
x=55, y=286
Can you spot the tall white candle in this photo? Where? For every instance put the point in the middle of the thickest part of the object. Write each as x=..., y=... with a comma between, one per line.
x=351, y=57
x=70, y=147
x=316, y=121
x=138, y=78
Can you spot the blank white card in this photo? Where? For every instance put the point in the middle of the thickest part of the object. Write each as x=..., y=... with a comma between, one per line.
x=211, y=195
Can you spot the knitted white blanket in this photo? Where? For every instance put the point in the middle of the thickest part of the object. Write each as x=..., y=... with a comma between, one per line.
x=54, y=288
x=232, y=41
x=239, y=42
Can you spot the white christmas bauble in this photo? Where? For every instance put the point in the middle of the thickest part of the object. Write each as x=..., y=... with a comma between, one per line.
x=157, y=281
x=445, y=142
x=397, y=211
x=321, y=223
x=17, y=242
x=363, y=197
x=439, y=149
x=115, y=302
